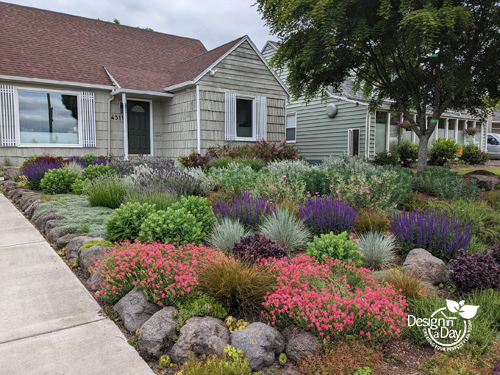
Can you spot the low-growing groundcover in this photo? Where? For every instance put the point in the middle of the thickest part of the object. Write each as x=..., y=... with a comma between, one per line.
x=80, y=216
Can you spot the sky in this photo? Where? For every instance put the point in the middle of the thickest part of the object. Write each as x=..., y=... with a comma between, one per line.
x=213, y=22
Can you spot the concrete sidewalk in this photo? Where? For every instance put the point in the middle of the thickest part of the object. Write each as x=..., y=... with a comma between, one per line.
x=49, y=322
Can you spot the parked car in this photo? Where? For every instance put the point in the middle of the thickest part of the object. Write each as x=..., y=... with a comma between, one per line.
x=494, y=145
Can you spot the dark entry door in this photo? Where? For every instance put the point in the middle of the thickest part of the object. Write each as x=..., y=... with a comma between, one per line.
x=138, y=127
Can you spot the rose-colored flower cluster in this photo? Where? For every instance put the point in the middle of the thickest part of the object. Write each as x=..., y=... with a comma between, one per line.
x=317, y=297
x=166, y=273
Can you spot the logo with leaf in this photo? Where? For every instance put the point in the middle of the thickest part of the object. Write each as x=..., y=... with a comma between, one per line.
x=465, y=311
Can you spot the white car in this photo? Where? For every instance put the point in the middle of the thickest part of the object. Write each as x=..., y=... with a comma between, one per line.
x=494, y=145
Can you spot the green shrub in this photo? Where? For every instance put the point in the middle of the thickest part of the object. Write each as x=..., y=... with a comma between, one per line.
x=254, y=163
x=225, y=233
x=485, y=221
x=235, y=179
x=201, y=209
x=424, y=181
x=77, y=186
x=97, y=243
x=378, y=249
x=89, y=159
x=171, y=226
x=288, y=167
x=286, y=229
x=126, y=221
x=233, y=362
x=204, y=184
x=221, y=162
x=412, y=202
x=202, y=305
x=472, y=154
x=345, y=162
x=443, y=150
x=387, y=158
x=58, y=181
x=493, y=198
x=161, y=199
x=454, y=187
x=93, y=171
x=316, y=181
x=275, y=186
x=408, y=153
x=334, y=246
x=107, y=190
x=239, y=286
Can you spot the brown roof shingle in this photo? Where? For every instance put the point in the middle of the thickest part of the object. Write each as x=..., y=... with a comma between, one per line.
x=43, y=44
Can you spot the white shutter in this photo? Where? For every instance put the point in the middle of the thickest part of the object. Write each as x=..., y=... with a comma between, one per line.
x=261, y=118
x=87, y=114
x=230, y=117
x=7, y=116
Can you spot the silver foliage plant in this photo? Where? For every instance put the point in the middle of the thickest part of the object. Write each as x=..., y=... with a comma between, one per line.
x=75, y=167
x=225, y=232
x=288, y=167
x=346, y=161
x=286, y=229
x=204, y=183
x=378, y=249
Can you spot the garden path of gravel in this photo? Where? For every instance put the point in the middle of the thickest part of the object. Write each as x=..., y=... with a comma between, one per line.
x=49, y=322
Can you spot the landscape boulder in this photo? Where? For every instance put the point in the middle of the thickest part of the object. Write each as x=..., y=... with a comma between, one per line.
x=486, y=182
x=135, y=310
x=74, y=245
x=30, y=210
x=6, y=184
x=46, y=216
x=425, y=265
x=95, y=280
x=51, y=224
x=10, y=172
x=87, y=257
x=64, y=240
x=260, y=342
x=56, y=233
x=16, y=197
x=200, y=336
x=155, y=336
x=300, y=344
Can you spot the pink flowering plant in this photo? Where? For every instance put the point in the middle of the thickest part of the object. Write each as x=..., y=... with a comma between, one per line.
x=277, y=187
x=264, y=150
x=167, y=273
x=332, y=299
x=363, y=192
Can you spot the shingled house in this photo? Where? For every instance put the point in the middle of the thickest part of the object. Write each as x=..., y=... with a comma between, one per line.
x=72, y=86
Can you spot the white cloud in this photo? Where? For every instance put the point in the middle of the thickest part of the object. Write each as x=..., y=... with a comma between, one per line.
x=214, y=23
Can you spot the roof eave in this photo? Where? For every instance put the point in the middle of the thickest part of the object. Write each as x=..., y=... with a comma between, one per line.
x=56, y=82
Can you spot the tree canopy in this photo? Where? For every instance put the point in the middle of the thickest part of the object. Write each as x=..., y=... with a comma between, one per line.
x=422, y=55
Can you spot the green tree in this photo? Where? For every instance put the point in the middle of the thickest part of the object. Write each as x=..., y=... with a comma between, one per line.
x=423, y=55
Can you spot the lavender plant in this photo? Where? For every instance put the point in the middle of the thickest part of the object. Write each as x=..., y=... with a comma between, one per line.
x=34, y=172
x=437, y=233
x=325, y=215
x=245, y=208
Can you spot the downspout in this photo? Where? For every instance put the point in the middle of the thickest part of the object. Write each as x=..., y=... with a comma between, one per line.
x=109, y=122
x=367, y=133
x=198, y=119
x=125, y=126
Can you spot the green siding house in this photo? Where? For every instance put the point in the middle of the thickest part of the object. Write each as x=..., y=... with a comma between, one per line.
x=342, y=123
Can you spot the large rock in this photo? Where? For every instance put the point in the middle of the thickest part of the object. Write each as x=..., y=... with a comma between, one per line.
x=95, y=280
x=74, y=246
x=13, y=190
x=10, y=172
x=200, y=336
x=26, y=200
x=17, y=196
x=155, y=336
x=424, y=264
x=135, y=310
x=30, y=210
x=87, y=257
x=65, y=240
x=57, y=233
x=46, y=216
x=6, y=184
x=486, y=182
x=301, y=344
x=260, y=343
x=51, y=224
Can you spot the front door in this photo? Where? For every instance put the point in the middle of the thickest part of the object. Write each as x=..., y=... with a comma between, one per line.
x=138, y=127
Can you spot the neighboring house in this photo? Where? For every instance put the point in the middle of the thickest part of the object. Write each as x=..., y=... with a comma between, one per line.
x=343, y=123
x=72, y=86
x=494, y=122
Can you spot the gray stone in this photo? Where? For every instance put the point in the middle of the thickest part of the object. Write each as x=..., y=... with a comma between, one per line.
x=87, y=257
x=424, y=264
x=200, y=336
x=26, y=200
x=155, y=336
x=135, y=310
x=16, y=197
x=6, y=184
x=57, y=233
x=486, y=182
x=260, y=343
x=46, y=216
x=75, y=244
x=30, y=210
x=95, y=280
x=301, y=344
x=63, y=241
x=51, y=224
x=12, y=190
x=10, y=172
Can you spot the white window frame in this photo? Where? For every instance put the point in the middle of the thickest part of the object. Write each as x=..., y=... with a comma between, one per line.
x=151, y=133
x=49, y=91
x=253, y=138
x=295, y=127
x=349, y=140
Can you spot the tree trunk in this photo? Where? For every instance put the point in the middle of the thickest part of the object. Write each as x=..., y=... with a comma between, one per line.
x=422, y=151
